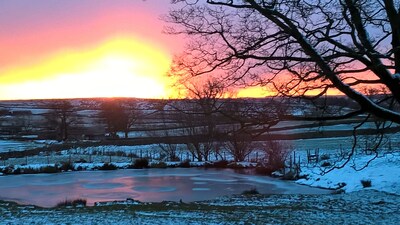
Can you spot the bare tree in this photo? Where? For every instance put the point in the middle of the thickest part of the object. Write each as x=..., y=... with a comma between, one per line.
x=239, y=143
x=246, y=120
x=23, y=120
x=60, y=117
x=119, y=115
x=297, y=48
x=198, y=117
x=165, y=129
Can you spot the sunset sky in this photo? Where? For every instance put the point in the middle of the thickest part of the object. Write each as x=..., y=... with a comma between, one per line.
x=85, y=48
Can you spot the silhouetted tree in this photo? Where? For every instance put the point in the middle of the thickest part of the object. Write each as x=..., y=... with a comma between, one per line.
x=297, y=48
x=119, y=115
x=60, y=116
x=198, y=117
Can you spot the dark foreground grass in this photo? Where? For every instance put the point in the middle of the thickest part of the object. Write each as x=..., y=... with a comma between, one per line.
x=352, y=208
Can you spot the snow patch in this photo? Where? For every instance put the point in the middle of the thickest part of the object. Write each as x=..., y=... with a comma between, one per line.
x=383, y=172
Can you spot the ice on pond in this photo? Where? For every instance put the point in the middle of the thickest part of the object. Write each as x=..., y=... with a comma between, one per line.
x=200, y=182
x=102, y=185
x=147, y=185
x=224, y=180
x=201, y=189
x=154, y=189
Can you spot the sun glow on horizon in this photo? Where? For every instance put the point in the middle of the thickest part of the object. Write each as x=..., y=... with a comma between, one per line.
x=118, y=67
x=254, y=92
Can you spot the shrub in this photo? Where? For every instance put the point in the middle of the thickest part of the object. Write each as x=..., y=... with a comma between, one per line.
x=276, y=154
x=220, y=164
x=140, y=164
x=235, y=165
x=159, y=165
x=66, y=166
x=366, y=183
x=185, y=164
x=29, y=170
x=8, y=170
x=79, y=168
x=108, y=166
x=49, y=169
x=76, y=202
x=17, y=171
x=252, y=191
x=326, y=164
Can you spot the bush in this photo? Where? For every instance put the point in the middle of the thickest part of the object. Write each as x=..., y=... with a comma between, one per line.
x=66, y=166
x=159, y=165
x=49, y=169
x=366, y=183
x=76, y=202
x=8, y=170
x=28, y=170
x=326, y=164
x=235, y=165
x=185, y=164
x=140, y=164
x=17, y=171
x=276, y=155
x=79, y=168
x=108, y=166
x=220, y=164
x=252, y=191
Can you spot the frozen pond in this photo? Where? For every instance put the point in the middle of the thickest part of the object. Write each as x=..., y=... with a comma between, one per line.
x=149, y=185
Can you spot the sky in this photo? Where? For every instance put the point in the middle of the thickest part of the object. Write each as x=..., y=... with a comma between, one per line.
x=86, y=48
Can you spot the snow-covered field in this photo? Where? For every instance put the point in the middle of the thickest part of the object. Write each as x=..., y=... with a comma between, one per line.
x=377, y=204
x=383, y=172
